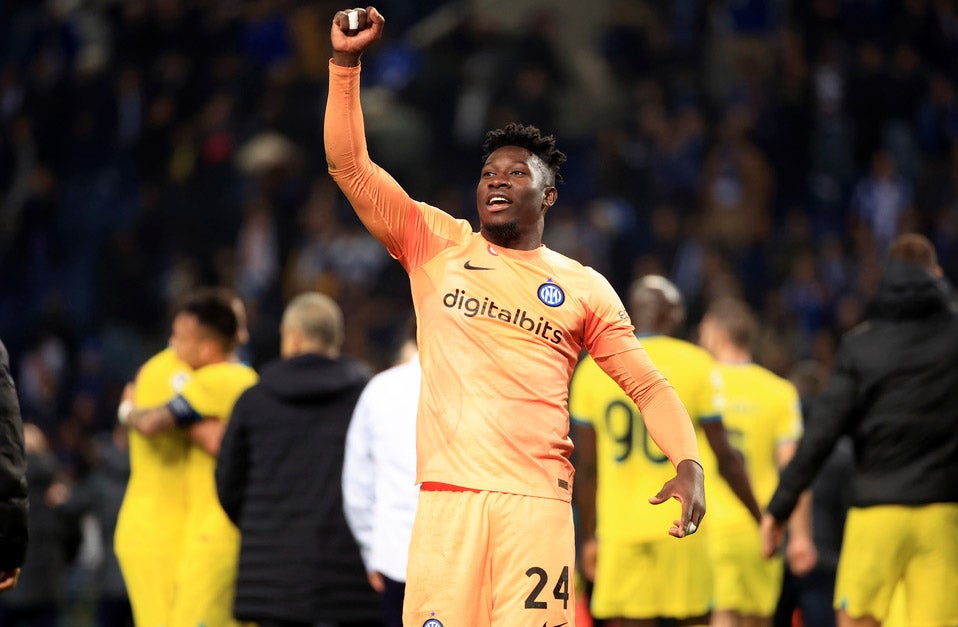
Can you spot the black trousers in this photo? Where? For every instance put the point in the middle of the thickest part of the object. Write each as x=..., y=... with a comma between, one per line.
x=392, y=602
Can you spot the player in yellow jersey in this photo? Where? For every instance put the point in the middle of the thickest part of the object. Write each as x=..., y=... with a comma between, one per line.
x=635, y=566
x=501, y=322
x=209, y=560
x=204, y=559
x=763, y=419
x=150, y=522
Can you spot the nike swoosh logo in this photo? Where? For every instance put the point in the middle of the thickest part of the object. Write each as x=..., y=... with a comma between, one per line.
x=559, y=625
x=469, y=266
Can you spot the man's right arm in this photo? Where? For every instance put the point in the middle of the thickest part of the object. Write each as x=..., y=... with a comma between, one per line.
x=826, y=423
x=412, y=232
x=150, y=421
x=378, y=200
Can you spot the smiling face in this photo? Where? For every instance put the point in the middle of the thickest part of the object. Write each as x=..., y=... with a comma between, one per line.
x=515, y=190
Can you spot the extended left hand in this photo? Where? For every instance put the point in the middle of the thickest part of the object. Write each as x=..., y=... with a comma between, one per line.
x=688, y=488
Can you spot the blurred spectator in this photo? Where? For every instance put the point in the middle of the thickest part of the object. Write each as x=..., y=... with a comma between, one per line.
x=266, y=35
x=311, y=266
x=881, y=199
x=937, y=117
x=737, y=187
x=43, y=376
x=866, y=100
x=39, y=598
x=100, y=495
x=804, y=298
x=258, y=258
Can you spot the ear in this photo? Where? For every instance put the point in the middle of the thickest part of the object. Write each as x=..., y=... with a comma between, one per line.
x=293, y=342
x=549, y=197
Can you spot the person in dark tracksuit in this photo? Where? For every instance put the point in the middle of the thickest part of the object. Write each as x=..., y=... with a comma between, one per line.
x=894, y=392
x=278, y=477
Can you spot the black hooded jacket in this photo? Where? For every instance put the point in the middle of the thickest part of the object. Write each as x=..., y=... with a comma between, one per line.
x=278, y=477
x=13, y=464
x=894, y=391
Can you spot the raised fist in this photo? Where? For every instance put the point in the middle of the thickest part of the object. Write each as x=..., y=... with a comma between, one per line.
x=353, y=31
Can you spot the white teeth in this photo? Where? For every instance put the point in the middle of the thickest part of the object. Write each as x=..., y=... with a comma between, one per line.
x=496, y=199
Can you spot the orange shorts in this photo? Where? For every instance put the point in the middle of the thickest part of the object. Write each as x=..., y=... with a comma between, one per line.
x=488, y=559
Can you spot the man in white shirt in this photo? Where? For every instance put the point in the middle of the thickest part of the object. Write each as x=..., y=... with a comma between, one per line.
x=379, y=477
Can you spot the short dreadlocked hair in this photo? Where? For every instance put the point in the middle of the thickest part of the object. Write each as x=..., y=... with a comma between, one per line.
x=530, y=138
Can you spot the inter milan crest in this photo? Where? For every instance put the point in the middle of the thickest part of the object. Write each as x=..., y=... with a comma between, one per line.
x=551, y=294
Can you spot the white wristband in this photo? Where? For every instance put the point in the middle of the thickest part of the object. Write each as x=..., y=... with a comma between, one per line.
x=123, y=411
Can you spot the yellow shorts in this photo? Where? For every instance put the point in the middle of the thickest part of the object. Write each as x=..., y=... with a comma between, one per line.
x=631, y=579
x=205, y=589
x=481, y=559
x=745, y=581
x=149, y=577
x=917, y=545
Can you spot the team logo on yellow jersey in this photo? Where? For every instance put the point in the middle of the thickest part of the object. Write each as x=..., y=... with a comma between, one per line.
x=179, y=380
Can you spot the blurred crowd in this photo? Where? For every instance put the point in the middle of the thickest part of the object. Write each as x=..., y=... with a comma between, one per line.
x=766, y=148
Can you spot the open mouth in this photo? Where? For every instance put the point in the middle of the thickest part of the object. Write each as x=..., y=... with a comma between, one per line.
x=497, y=202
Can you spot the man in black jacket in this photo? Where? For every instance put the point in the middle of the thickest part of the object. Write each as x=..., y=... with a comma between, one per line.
x=278, y=477
x=894, y=391
x=13, y=482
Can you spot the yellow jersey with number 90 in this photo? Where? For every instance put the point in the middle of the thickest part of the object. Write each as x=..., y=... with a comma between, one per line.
x=630, y=466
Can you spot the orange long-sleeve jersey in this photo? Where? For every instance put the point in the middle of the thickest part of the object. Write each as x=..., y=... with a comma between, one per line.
x=500, y=331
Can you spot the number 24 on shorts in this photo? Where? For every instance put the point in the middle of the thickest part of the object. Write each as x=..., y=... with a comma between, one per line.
x=560, y=592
